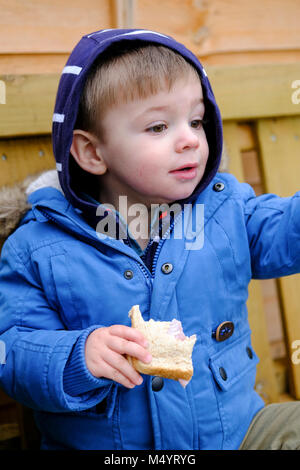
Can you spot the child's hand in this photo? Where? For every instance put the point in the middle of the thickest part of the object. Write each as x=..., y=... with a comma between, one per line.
x=105, y=349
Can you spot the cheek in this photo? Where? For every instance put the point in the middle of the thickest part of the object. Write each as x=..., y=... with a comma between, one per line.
x=204, y=150
x=148, y=165
x=135, y=172
x=141, y=171
x=144, y=176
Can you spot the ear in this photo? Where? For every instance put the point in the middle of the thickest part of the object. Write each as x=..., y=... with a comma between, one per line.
x=85, y=149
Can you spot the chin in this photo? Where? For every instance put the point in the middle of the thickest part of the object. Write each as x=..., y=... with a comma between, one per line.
x=175, y=196
x=184, y=195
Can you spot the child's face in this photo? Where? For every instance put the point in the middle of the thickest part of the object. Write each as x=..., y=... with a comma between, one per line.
x=148, y=141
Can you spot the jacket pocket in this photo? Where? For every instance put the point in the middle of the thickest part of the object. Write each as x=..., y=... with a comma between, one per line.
x=234, y=371
x=229, y=365
x=64, y=292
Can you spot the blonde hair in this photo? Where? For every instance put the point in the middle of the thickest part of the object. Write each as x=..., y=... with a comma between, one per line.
x=123, y=75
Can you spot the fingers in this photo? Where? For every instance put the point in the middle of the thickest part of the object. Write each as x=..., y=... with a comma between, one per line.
x=120, y=370
x=131, y=334
x=106, y=349
x=123, y=346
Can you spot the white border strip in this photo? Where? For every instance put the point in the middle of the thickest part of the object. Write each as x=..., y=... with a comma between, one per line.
x=143, y=31
x=58, y=117
x=59, y=166
x=74, y=69
x=99, y=32
x=140, y=31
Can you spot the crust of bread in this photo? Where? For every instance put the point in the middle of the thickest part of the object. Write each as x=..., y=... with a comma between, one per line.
x=176, y=362
x=165, y=372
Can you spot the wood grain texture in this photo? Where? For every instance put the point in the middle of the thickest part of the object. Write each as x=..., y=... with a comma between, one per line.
x=20, y=158
x=279, y=141
x=266, y=385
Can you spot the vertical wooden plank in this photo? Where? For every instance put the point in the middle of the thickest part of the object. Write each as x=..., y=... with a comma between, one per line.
x=249, y=169
x=22, y=157
x=279, y=141
x=266, y=385
x=124, y=13
x=233, y=148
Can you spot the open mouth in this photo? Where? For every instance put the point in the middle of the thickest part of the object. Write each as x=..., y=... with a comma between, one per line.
x=186, y=172
x=185, y=168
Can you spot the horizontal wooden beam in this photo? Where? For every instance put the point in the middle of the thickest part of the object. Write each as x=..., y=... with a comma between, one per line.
x=243, y=93
x=29, y=104
x=256, y=91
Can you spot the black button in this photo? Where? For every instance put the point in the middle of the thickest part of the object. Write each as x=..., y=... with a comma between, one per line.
x=223, y=373
x=157, y=384
x=249, y=352
x=224, y=331
x=128, y=274
x=167, y=268
x=218, y=187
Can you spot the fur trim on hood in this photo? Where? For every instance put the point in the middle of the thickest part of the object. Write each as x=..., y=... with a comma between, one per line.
x=14, y=203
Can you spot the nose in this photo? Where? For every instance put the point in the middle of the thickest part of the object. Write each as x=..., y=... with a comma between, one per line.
x=186, y=139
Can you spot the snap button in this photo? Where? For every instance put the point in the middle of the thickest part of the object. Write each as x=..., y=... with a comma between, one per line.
x=128, y=274
x=218, y=187
x=249, y=352
x=167, y=268
x=224, y=331
x=223, y=373
x=157, y=383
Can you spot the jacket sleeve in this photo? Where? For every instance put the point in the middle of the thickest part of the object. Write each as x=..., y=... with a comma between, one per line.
x=43, y=365
x=273, y=227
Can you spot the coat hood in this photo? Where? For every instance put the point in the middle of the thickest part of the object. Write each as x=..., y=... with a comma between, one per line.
x=70, y=88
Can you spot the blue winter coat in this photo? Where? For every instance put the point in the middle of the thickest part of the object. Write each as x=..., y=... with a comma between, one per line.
x=59, y=281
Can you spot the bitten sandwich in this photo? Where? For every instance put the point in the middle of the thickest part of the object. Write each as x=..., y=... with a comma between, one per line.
x=171, y=350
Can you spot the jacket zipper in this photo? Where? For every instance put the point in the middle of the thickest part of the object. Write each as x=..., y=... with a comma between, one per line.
x=159, y=247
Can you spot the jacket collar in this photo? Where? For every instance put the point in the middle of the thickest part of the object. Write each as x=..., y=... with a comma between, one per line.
x=49, y=203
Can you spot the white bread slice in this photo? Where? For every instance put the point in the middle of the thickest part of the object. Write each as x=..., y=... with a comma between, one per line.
x=171, y=357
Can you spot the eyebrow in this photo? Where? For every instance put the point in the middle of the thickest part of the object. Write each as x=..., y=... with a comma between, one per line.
x=163, y=108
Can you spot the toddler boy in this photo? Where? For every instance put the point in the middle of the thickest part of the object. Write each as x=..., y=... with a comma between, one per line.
x=135, y=118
